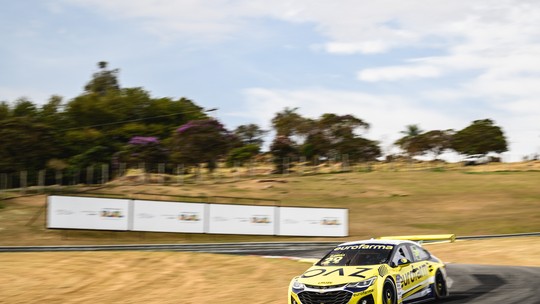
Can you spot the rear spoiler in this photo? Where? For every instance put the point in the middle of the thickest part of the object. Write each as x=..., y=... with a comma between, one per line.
x=422, y=238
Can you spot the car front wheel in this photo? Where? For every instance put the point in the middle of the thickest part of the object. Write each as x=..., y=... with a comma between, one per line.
x=441, y=290
x=389, y=293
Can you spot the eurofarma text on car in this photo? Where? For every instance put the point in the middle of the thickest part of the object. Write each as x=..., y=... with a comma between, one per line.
x=372, y=272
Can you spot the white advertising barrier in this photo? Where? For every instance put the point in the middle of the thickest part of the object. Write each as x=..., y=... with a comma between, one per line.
x=162, y=216
x=241, y=219
x=73, y=212
x=295, y=221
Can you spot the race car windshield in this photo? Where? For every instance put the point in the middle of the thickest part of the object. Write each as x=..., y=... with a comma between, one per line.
x=357, y=255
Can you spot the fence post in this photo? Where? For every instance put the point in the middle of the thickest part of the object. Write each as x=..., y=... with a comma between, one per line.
x=161, y=172
x=104, y=173
x=77, y=176
x=142, y=168
x=180, y=174
x=90, y=175
x=285, y=166
x=345, y=162
x=198, y=174
x=41, y=181
x=59, y=177
x=236, y=170
x=3, y=181
x=122, y=169
x=23, y=181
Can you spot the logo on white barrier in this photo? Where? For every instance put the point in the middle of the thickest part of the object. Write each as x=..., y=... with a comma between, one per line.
x=162, y=216
x=73, y=212
x=159, y=216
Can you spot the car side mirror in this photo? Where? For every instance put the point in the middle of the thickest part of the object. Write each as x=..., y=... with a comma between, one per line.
x=403, y=262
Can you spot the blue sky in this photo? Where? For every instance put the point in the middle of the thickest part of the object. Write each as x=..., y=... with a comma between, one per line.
x=438, y=64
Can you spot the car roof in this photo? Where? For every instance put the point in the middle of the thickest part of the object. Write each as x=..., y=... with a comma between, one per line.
x=379, y=242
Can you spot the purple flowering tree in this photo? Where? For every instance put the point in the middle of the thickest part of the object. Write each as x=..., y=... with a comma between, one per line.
x=201, y=141
x=146, y=149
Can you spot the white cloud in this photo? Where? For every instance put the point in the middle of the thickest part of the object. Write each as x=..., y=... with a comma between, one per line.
x=398, y=73
x=198, y=20
x=369, y=47
x=356, y=26
x=482, y=49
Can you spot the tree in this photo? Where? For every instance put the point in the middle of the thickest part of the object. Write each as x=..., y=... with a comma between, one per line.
x=25, y=145
x=437, y=141
x=283, y=149
x=361, y=149
x=417, y=142
x=5, y=111
x=288, y=123
x=317, y=144
x=84, y=147
x=143, y=149
x=201, y=141
x=481, y=137
x=339, y=132
x=241, y=155
x=412, y=142
x=103, y=81
x=328, y=136
x=331, y=135
x=51, y=114
x=250, y=134
x=24, y=107
x=412, y=131
x=341, y=126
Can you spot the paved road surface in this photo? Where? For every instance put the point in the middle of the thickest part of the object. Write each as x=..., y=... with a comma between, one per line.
x=493, y=284
x=470, y=283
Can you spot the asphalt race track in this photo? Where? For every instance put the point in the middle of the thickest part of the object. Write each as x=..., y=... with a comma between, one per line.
x=467, y=283
x=471, y=283
x=493, y=284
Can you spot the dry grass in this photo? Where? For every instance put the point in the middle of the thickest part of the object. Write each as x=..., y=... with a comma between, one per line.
x=522, y=251
x=142, y=277
x=379, y=203
x=171, y=277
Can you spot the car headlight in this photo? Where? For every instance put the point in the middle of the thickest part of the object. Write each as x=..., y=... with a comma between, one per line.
x=298, y=285
x=363, y=284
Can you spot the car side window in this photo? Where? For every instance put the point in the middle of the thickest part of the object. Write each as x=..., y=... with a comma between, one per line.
x=419, y=253
x=401, y=252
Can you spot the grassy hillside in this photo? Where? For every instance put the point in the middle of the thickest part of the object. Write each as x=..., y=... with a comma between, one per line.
x=380, y=203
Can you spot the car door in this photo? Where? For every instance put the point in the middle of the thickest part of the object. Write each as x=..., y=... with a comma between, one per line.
x=403, y=262
x=419, y=277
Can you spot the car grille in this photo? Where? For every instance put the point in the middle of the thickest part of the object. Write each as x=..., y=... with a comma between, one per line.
x=325, y=287
x=333, y=297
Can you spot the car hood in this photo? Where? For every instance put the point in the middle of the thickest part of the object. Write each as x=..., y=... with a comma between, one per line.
x=337, y=275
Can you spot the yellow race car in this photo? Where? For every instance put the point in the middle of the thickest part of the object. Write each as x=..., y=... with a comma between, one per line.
x=372, y=272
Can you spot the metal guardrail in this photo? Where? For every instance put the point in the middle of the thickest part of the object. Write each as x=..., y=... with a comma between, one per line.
x=220, y=247
x=496, y=236
x=212, y=247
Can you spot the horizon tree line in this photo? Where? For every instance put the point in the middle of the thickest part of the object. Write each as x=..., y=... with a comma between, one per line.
x=108, y=124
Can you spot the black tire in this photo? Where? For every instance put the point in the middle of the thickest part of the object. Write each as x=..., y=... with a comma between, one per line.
x=440, y=288
x=389, y=294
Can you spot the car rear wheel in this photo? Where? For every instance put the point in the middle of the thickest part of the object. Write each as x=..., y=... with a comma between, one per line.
x=389, y=295
x=441, y=290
